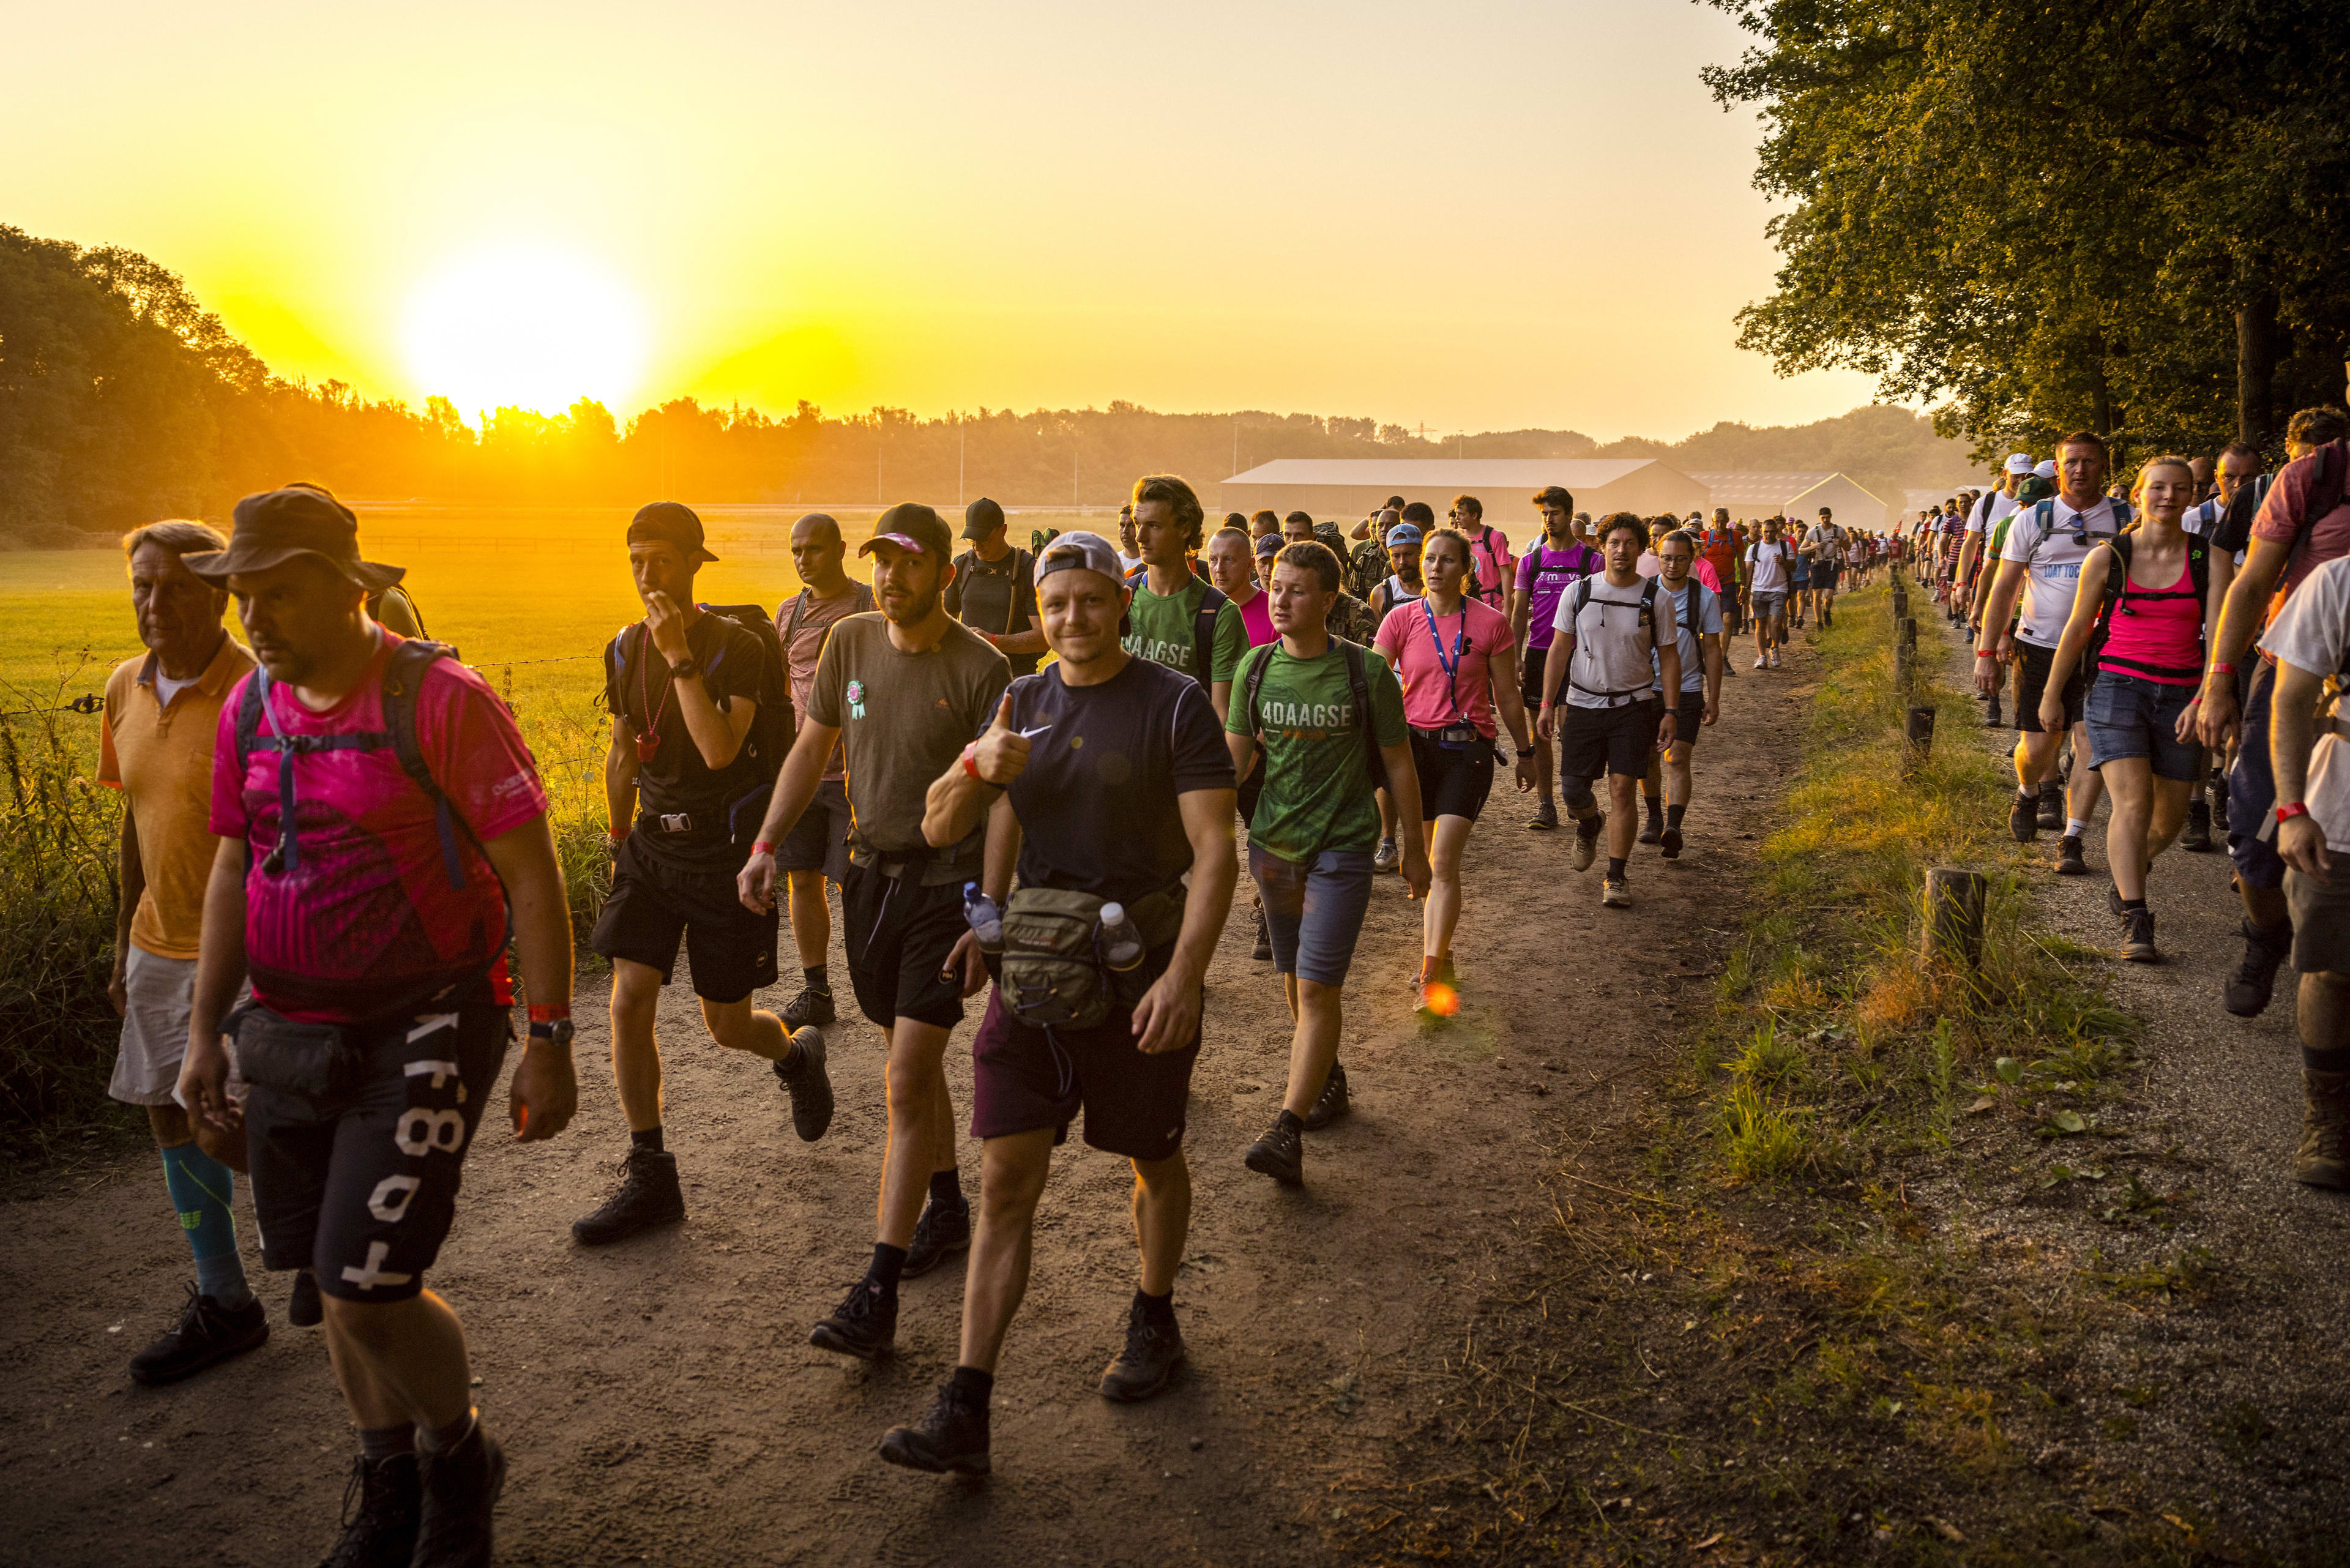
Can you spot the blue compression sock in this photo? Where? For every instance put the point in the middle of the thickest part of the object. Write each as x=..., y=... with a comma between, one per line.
x=200, y=1188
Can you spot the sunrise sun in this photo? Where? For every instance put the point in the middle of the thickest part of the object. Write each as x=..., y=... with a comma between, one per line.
x=522, y=328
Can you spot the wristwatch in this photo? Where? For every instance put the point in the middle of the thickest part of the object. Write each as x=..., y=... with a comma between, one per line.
x=1525, y=751
x=685, y=669
x=559, y=1032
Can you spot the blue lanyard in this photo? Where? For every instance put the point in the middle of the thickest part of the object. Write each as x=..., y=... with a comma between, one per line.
x=1451, y=667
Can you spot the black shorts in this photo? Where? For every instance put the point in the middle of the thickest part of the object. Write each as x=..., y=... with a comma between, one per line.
x=1825, y=577
x=1530, y=682
x=1023, y=1079
x=1595, y=740
x=363, y=1190
x=819, y=841
x=1455, y=782
x=654, y=904
x=2032, y=663
x=899, y=934
x=1691, y=718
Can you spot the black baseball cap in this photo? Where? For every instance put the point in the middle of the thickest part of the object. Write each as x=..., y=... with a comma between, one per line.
x=981, y=518
x=670, y=523
x=911, y=525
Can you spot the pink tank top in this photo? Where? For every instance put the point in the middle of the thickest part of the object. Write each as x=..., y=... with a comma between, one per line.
x=2157, y=634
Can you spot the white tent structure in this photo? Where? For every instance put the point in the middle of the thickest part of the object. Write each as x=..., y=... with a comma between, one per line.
x=1351, y=487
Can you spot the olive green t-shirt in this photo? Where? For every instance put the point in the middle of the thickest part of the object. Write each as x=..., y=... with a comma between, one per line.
x=1164, y=629
x=903, y=719
x=1318, y=793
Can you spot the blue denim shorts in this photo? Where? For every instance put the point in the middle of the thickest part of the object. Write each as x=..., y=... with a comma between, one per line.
x=1314, y=909
x=2129, y=717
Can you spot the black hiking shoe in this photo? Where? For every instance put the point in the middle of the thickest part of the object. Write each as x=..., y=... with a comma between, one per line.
x=2068, y=856
x=2023, y=818
x=950, y=1441
x=1654, y=828
x=2196, y=837
x=1546, y=816
x=803, y=1077
x=383, y=1504
x=206, y=1333
x=460, y=1488
x=811, y=1006
x=1280, y=1152
x=1992, y=719
x=1672, y=843
x=1153, y=1354
x=2138, y=937
x=2249, y=988
x=2219, y=804
x=2052, y=804
x=943, y=1228
x=865, y=1325
x=1331, y=1102
x=648, y=1197
x=1262, y=951
x=303, y=1308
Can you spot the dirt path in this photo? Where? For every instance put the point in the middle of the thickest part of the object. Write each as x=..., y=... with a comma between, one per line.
x=659, y=1400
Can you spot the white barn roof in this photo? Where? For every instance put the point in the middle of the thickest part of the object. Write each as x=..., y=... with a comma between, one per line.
x=1409, y=476
x=1758, y=489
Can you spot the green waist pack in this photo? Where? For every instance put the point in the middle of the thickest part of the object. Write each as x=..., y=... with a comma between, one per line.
x=1052, y=975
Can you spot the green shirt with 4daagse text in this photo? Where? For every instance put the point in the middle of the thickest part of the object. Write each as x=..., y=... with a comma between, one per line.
x=1318, y=793
x=1165, y=630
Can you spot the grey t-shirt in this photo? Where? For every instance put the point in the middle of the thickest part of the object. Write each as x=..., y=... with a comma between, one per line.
x=903, y=718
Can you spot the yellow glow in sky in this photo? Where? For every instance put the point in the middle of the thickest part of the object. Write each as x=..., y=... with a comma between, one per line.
x=1475, y=215
x=527, y=329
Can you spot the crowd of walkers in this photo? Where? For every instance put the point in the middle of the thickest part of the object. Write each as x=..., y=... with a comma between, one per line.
x=2175, y=638
x=336, y=865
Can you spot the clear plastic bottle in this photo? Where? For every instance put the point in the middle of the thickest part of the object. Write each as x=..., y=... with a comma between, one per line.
x=1119, y=944
x=985, y=919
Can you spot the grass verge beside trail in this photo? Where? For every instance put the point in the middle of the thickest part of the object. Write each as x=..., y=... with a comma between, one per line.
x=1782, y=1314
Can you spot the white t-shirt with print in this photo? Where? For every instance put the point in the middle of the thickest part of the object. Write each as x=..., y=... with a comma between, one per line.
x=2311, y=633
x=2053, y=565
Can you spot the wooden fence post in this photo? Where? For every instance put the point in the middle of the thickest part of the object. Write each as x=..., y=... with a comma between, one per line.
x=1953, y=931
x=1919, y=732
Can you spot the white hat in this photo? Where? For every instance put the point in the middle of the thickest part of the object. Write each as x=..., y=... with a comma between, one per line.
x=2019, y=462
x=2046, y=467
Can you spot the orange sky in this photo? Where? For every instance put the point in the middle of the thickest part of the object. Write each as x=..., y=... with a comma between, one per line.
x=1478, y=216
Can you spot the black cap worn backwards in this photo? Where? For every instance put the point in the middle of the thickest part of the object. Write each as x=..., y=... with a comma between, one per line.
x=670, y=523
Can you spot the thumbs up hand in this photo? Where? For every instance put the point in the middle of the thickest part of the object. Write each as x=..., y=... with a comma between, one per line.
x=1001, y=755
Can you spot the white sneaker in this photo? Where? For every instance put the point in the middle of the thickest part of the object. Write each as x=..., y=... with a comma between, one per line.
x=1761, y=660
x=1774, y=658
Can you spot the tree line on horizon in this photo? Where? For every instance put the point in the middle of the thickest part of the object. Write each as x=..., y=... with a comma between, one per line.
x=2038, y=215
x=122, y=400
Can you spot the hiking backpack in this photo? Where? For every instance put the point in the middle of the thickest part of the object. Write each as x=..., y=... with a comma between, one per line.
x=1581, y=594
x=1359, y=680
x=769, y=739
x=2333, y=462
x=403, y=680
x=865, y=602
x=1203, y=628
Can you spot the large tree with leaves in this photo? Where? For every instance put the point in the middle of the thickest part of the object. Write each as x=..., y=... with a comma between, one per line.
x=2128, y=214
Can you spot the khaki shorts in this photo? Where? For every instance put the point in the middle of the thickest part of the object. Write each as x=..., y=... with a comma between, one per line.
x=160, y=993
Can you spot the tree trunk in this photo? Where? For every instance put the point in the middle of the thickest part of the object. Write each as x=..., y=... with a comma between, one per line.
x=2256, y=360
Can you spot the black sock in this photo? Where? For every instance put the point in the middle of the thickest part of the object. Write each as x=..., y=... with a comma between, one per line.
x=972, y=1384
x=1157, y=1309
x=1655, y=804
x=2335, y=1059
x=946, y=1187
x=1673, y=814
x=888, y=1263
x=1615, y=868
x=814, y=980
x=383, y=1442
x=650, y=1139
x=1290, y=1119
x=2131, y=906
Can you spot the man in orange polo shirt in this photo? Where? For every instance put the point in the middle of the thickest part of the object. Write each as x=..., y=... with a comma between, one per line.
x=162, y=712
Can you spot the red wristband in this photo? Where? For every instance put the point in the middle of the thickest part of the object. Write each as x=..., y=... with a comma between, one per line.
x=763, y=846
x=2290, y=810
x=547, y=1012
x=2223, y=670
x=971, y=760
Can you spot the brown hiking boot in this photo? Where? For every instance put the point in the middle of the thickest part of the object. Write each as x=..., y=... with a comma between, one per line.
x=2324, y=1157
